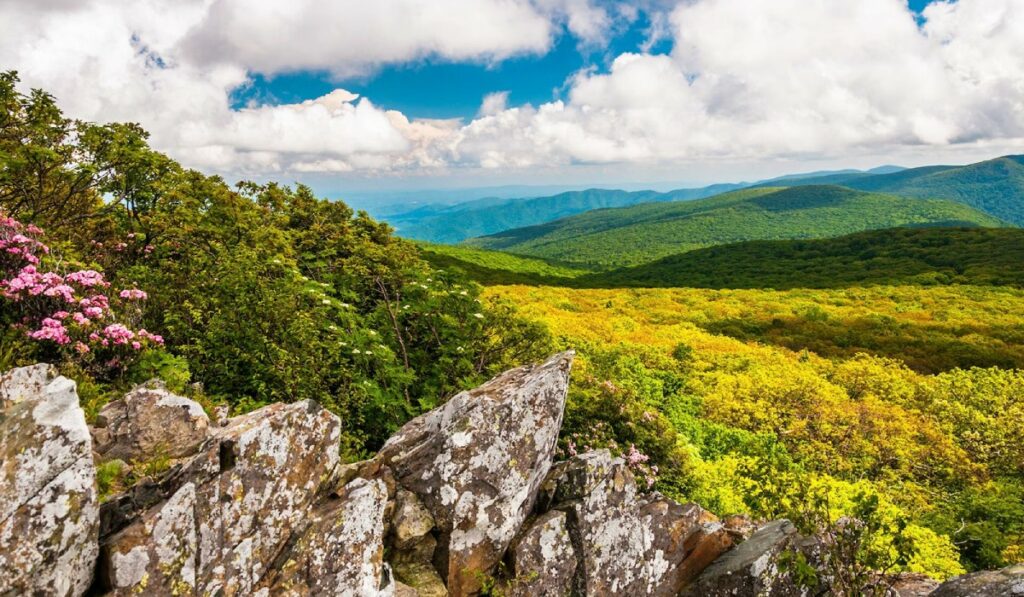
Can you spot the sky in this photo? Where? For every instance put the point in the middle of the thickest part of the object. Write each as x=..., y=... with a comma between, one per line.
x=398, y=95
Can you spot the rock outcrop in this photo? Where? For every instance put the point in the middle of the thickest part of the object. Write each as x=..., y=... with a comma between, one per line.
x=49, y=511
x=477, y=463
x=250, y=489
x=625, y=543
x=1008, y=582
x=753, y=567
x=462, y=500
x=149, y=421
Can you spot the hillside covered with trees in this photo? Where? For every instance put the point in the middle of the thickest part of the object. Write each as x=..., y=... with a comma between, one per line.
x=453, y=224
x=915, y=256
x=633, y=235
x=993, y=186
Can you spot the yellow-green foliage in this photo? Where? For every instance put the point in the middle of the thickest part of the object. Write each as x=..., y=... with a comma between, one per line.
x=714, y=406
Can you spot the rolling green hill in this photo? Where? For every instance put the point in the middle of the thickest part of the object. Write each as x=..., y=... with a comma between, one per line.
x=495, y=267
x=995, y=187
x=452, y=224
x=916, y=256
x=611, y=238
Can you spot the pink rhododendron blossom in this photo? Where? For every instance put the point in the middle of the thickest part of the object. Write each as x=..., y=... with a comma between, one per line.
x=61, y=290
x=41, y=301
x=155, y=338
x=87, y=278
x=52, y=330
x=118, y=333
x=635, y=457
x=134, y=294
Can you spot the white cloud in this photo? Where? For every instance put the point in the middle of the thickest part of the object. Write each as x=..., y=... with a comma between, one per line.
x=787, y=79
x=352, y=36
x=494, y=103
x=746, y=81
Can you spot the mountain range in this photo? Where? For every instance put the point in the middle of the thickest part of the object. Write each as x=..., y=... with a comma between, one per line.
x=629, y=236
x=994, y=186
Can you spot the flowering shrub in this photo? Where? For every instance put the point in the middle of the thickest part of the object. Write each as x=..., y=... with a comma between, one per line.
x=638, y=462
x=71, y=313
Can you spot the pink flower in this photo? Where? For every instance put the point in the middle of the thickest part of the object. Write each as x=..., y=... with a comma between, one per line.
x=635, y=457
x=81, y=319
x=63, y=291
x=92, y=312
x=51, y=330
x=118, y=334
x=134, y=294
x=87, y=278
x=137, y=345
x=97, y=300
x=81, y=348
x=155, y=338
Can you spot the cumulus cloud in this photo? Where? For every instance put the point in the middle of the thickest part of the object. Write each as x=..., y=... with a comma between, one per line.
x=494, y=103
x=786, y=78
x=744, y=80
x=352, y=36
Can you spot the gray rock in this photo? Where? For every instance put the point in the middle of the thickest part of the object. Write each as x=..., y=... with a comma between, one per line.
x=1008, y=582
x=342, y=550
x=627, y=543
x=913, y=585
x=49, y=512
x=413, y=545
x=412, y=521
x=246, y=494
x=753, y=567
x=148, y=422
x=543, y=558
x=477, y=462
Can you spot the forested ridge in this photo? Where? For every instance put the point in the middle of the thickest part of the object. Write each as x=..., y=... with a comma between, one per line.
x=994, y=186
x=611, y=238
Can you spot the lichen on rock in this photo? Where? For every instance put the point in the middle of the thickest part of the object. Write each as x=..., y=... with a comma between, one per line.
x=49, y=513
x=268, y=467
x=148, y=421
x=477, y=463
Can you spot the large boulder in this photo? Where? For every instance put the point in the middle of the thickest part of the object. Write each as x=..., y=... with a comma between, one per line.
x=49, y=513
x=755, y=566
x=341, y=552
x=1008, y=582
x=246, y=494
x=477, y=463
x=150, y=421
x=627, y=543
x=543, y=558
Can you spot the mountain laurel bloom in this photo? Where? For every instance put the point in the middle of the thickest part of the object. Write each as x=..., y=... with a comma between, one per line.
x=65, y=310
